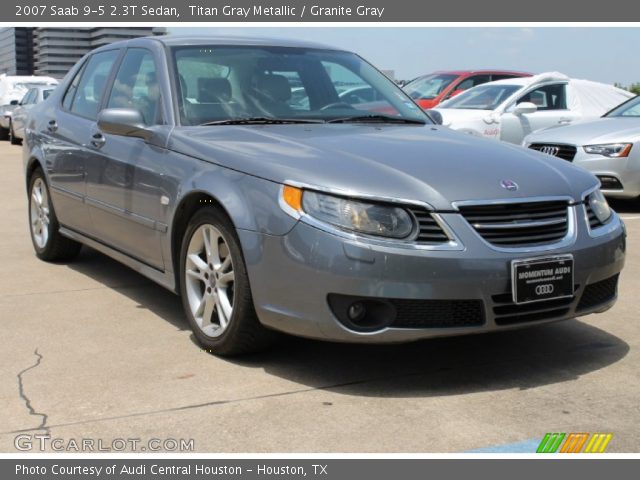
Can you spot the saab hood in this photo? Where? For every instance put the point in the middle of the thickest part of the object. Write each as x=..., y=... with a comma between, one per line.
x=422, y=163
x=603, y=130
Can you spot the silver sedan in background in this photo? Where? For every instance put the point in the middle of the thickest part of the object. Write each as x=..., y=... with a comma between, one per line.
x=608, y=147
x=33, y=96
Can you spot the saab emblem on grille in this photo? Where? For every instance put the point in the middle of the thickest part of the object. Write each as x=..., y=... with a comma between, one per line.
x=509, y=185
x=550, y=150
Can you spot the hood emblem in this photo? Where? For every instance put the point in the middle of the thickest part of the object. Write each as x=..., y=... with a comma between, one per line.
x=509, y=185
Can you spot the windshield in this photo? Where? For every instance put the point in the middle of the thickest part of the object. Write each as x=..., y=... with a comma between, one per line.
x=429, y=87
x=630, y=108
x=217, y=83
x=483, y=97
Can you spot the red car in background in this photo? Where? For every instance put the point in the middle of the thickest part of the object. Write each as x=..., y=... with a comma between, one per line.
x=429, y=90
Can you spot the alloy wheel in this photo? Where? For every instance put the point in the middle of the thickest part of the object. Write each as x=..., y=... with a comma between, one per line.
x=39, y=213
x=209, y=280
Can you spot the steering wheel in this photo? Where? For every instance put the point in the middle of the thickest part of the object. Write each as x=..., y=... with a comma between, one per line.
x=330, y=106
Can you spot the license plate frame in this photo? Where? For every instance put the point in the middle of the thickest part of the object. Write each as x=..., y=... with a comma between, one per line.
x=542, y=286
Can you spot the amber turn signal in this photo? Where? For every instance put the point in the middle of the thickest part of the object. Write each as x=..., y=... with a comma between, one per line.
x=292, y=196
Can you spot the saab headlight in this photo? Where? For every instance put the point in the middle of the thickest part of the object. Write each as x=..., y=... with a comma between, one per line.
x=599, y=206
x=613, y=150
x=357, y=216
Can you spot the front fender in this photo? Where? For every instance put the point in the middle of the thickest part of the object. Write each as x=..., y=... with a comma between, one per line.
x=250, y=202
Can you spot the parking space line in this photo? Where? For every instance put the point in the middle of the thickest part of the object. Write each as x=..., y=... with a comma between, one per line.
x=524, y=446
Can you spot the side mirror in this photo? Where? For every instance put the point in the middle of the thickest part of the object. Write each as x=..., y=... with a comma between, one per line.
x=127, y=122
x=14, y=102
x=524, y=108
x=436, y=116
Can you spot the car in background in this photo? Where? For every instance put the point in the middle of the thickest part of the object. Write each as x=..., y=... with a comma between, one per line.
x=12, y=90
x=608, y=147
x=509, y=110
x=430, y=90
x=183, y=158
x=33, y=96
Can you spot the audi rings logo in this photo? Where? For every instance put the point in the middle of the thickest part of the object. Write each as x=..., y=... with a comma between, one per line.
x=545, y=289
x=550, y=150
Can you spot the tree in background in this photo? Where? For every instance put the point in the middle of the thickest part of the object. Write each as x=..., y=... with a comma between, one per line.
x=633, y=88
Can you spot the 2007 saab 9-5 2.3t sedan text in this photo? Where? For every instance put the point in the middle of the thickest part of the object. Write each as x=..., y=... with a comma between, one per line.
x=188, y=160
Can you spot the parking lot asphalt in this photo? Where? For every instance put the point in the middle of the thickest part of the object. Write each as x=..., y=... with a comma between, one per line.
x=92, y=350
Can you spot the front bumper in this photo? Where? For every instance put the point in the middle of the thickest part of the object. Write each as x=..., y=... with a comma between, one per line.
x=625, y=170
x=293, y=275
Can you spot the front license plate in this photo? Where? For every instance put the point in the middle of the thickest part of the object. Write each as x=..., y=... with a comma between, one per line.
x=537, y=279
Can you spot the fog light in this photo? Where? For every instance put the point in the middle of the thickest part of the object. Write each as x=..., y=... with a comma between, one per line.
x=356, y=311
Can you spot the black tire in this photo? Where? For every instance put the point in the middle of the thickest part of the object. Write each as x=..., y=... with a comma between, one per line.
x=12, y=136
x=56, y=247
x=244, y=333
x=4, y=133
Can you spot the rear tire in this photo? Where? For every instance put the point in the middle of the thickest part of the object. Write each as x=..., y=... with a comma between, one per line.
x=215, y=290
x=4, y=133
x=47, y=241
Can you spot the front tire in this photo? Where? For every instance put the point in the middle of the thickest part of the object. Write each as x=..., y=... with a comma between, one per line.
x=215, y=290
x=43, y=224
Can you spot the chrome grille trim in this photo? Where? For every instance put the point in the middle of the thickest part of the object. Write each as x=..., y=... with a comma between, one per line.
x=429, y=231
x=522, y=225
x=563, y=151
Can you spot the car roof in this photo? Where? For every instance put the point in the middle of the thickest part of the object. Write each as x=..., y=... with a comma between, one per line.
x=488, y=71
x=179, y=40
x=535, y=79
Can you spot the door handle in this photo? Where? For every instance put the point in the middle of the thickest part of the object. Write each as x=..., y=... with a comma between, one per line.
x=564, y=121
x=52, y=126
x=98, y=140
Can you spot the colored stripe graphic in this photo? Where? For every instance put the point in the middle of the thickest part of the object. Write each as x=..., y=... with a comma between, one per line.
x=598, y=443
x=573, y=442
x=550, y=443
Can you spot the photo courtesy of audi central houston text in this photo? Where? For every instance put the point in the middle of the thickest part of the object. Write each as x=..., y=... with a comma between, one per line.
x=236, y=173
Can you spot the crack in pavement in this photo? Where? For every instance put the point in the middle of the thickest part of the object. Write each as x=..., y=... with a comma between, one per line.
x=32, y=411
x=328, y=387
x=232, y=401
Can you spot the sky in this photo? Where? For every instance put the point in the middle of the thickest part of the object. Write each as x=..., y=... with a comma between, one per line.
x=604, y=54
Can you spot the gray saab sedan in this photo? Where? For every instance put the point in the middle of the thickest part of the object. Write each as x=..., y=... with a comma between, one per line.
x=188, y=160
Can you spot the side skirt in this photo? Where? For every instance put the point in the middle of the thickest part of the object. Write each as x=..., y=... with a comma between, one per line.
x=163, y=278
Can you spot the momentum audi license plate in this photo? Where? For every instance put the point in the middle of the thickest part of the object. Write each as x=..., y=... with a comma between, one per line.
x=545, y=278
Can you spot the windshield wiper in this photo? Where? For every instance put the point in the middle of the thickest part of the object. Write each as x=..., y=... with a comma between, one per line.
x=260, y=121
x=375, y=118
